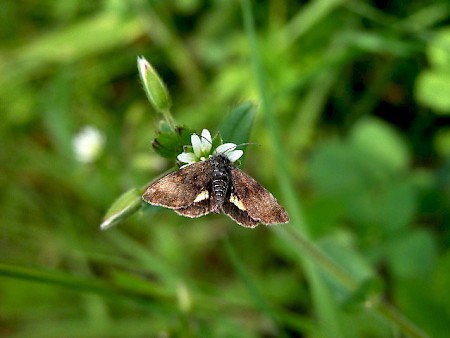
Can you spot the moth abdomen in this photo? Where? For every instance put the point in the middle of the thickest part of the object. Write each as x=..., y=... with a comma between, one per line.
x=220, y=181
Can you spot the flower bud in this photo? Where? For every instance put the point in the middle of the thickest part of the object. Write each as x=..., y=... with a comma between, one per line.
x=122, y=208
x=154, y=87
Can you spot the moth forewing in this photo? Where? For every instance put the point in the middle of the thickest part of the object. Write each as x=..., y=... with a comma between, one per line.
x=180, y=188
x=258, y=202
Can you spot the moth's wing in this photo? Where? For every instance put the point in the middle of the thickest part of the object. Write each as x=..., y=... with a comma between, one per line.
x=241, y=217
x=196, y=209
x=255, y=200
x=180, y=189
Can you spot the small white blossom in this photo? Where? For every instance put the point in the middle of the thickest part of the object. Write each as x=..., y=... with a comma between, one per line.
x=229, y=149
x=88, y=144
x=201, y=150
x=187, y=158
x=202, y=145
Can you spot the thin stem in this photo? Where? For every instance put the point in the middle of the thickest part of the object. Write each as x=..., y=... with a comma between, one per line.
x=318, y=256
x=250, y=285
x=319, y=290
x=391, y=313
x=300, y=235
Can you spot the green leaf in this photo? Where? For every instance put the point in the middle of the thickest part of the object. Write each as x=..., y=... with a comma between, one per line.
x=238, y=123
x=433, y=88
x=140, y=295
x=125, y=206
x=334, y=169
x=395, y=206
x=168, y=142
x=342, y=248
x=442, y=142
x=413, y=255
x=439, y=50
x=58, y=278
x=380, y=142
x=442, y=281
x=367, y=290
x=380, y=43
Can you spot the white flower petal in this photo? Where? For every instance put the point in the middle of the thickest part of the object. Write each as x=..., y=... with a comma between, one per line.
x=206, y=142
x=186, y=157
x=234, y=155
x=196, y=145
x=143, y=66
x=226, y=147
x=206, y=136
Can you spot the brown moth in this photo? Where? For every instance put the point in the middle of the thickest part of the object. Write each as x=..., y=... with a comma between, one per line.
x=216, y=185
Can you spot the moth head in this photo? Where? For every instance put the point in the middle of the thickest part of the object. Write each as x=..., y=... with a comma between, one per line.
x=201, y=149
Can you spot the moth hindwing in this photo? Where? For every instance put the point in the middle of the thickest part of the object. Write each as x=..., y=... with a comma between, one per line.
x=215, y=185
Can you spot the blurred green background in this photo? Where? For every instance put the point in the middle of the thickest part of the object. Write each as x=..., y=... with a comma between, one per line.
x=352, y=120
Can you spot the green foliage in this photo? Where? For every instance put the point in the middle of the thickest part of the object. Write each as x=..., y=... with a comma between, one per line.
x=350, y=112
x=169, y=142
x=126, y=205
x=237, y=126
x=433, y=85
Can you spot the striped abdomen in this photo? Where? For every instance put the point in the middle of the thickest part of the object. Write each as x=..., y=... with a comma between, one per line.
x=220, y=181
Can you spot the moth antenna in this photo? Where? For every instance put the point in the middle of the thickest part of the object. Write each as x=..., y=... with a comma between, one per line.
x=232, y=148
x=241, y=144
x=247, y=143
x=201, y=136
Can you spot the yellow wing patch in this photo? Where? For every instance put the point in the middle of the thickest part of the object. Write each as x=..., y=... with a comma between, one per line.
x=204, y=195
x=237, y=202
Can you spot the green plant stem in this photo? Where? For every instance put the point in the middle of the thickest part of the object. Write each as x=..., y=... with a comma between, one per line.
x=250, y=285
x=395, y=316
x=327, y=264
x=320, y=293
x=318, y=256
x=300, y=235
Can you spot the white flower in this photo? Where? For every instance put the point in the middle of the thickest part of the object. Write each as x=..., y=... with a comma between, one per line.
x=187, y=158
x=230, y=151
x=201, y=147
x=88, y=144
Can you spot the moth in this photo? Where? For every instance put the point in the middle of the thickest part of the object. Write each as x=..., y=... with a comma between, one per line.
x=216, y=185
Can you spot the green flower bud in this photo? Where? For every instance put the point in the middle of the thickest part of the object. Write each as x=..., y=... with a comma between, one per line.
x=122, y=208
x=154, y=87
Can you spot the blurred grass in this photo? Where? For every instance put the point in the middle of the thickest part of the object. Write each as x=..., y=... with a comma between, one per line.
x=347, y=128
